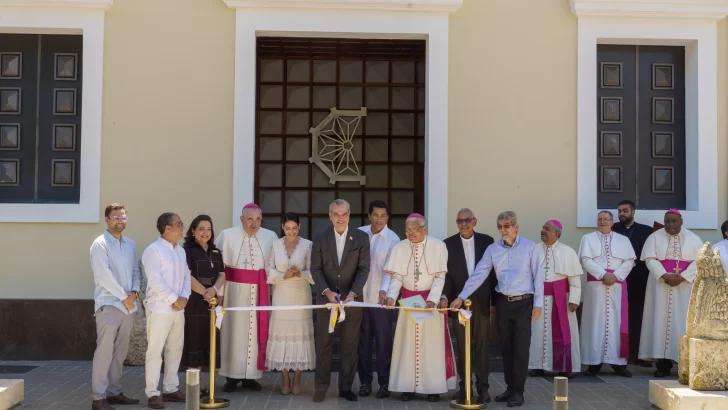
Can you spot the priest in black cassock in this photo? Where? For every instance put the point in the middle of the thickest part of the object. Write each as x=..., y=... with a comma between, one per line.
x=465, y=249
x=637, y=279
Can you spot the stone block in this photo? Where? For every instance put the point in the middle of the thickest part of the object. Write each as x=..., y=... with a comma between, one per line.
x=671, y=395
x=708, y=364
x=683, y=370
x=12, y=392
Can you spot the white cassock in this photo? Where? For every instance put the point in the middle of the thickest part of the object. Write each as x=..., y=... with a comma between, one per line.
x=239, y=341
x=422, y=359
x=666, y=307
x=604, y=323
x=723, y=247
x=555, y=335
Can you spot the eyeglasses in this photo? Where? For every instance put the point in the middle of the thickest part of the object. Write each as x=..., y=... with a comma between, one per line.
x=413, y=230
x=177, y=225
x=465, y=221
x=119, y=218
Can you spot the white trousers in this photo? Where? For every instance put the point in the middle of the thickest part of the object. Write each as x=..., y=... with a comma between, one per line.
x=165, y=333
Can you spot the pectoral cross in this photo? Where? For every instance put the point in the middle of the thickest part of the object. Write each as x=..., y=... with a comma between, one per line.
x=245, y=262
x=677, y=269
x=417, y=273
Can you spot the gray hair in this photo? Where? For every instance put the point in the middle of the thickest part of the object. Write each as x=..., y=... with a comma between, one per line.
x=558, y=231
x=611, y=215
x=245, y=211
x=420, y=221
x=508, y=216
x=467, y=210
x=339, y=202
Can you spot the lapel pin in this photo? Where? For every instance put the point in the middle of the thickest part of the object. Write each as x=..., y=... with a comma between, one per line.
x=351, y=239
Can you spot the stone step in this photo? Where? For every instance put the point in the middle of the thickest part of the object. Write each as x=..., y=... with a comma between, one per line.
x=671, y=395
x=11, y=392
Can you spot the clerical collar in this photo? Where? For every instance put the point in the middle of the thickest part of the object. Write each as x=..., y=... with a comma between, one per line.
x=553, y=245
x=606, y=234
x=468, y=239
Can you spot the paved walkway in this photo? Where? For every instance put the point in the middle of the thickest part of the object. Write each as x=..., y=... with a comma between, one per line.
x=65, y=385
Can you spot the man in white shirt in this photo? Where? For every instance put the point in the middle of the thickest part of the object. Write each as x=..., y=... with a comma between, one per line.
x=376, y=324
x=116, y=279
x=168, y=289
x=723, y=245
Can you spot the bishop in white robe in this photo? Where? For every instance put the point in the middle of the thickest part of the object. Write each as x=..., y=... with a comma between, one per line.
x=607, y=258
x=555, y=335
x=670, y=255
x=244, y=335
x=422, y=361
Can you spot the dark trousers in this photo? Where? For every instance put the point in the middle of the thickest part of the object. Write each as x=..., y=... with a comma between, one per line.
x=348, y=347
x=637, y=284
x=479, y=326
x=514, y=326
x=376, y=325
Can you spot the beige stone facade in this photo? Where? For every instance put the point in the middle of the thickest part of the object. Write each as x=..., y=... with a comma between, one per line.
x=169, y=117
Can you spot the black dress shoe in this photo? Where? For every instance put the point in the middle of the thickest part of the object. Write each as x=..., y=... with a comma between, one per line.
x=230, y=386
x=365, y=390
x=592, y=370
x=383, y=392
x=622, y=371
x=661, y=373
x=407, y=396
x=252, y=385
x=319, y=396
x=348, y=395
x=433, y=398
x=121, y=399
x=504, y=397
x=516, y=400
x=643, y=363
x=536, y=373
x=483, y=397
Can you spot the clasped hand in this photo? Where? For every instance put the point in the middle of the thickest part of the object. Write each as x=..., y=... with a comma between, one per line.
x=609, y=279
x=179, y=304
x=130, y=301
x=673, y=280
x=292, y=273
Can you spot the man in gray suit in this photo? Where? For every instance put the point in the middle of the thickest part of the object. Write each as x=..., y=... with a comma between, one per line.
x=340, y=267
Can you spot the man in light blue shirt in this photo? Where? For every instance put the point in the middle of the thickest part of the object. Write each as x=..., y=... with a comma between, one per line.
x=116, y=279
x=520, y=286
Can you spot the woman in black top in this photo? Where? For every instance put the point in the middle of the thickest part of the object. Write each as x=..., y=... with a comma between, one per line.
x=208, y=277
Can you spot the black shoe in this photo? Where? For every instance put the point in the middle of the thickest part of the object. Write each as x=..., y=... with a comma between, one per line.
x=433, y=398
x=536, y=373
x=516, y=400
x=504, y=397
x=661, y=373
x=319, y=396
x=643, y=363
x=407, y=396
x=593, y=370
x=483, y=397
x=121, y=399
x=365, y=390
x=622, y=371
x=348, y=395
x=567, y=375
x=252, y=385
x=383, y=392
x=230, y=386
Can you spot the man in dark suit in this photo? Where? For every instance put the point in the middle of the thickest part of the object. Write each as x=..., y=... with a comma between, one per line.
x=340, y=267
x=637, y=279
x=465, y=249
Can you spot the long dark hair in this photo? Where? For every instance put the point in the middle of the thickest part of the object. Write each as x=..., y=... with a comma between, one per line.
x=290, y=216
x=190, y=237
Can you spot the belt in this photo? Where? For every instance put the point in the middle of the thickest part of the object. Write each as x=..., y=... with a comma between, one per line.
x=207, y=281
x=519, y=297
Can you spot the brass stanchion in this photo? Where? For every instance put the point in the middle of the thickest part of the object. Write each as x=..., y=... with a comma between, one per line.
x=561, y=393
x=467, y=405
x=212, y=402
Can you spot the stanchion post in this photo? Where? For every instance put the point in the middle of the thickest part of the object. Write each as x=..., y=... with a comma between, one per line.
x=467, y=405
x=561, y=393
x=192, y=393
x=213, y=403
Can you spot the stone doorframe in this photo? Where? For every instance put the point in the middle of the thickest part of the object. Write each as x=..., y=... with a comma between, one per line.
x=391, y=19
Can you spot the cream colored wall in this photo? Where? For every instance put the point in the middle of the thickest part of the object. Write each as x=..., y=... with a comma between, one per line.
x=167, y=140
x=513, y=115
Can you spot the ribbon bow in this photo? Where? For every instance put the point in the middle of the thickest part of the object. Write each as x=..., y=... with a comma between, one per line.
x=337, y=315
x=464, y=316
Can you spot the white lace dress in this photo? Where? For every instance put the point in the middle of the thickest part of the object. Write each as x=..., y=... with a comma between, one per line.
x=290, y=338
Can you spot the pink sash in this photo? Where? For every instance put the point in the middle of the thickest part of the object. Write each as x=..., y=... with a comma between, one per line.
x=449, y=358
x=560, y=323
x=255, y=277
x=624, y=316
x=670, y=264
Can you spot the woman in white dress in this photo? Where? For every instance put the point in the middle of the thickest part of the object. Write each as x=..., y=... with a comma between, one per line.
x=290, y=340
